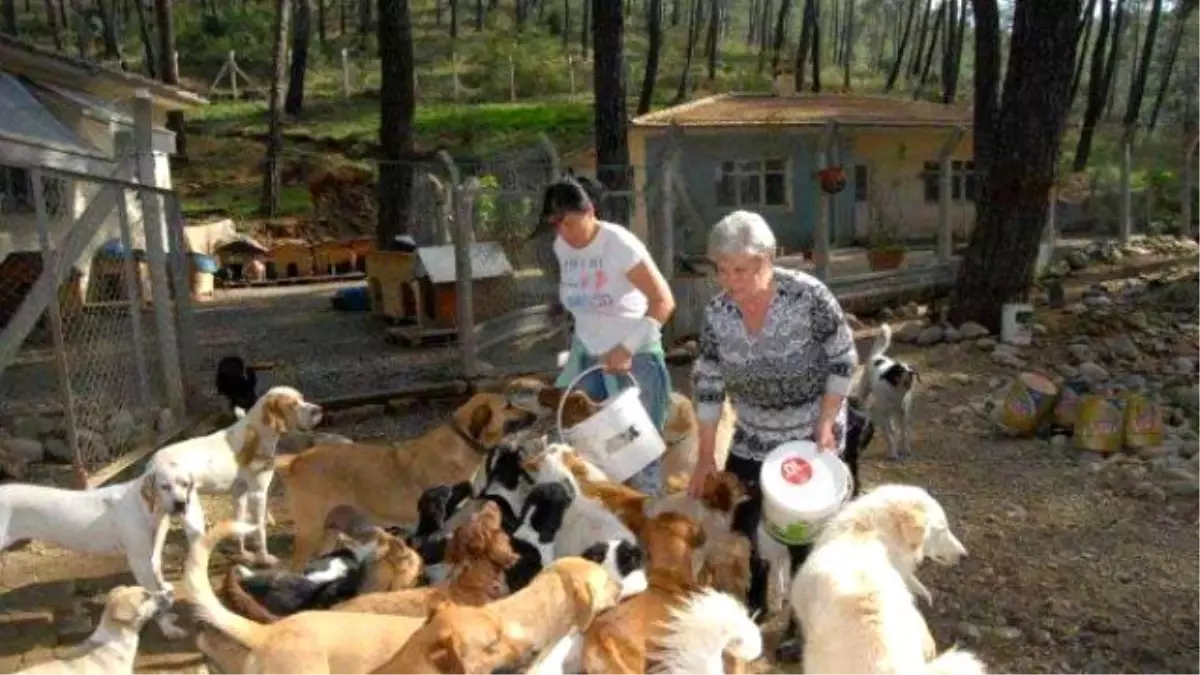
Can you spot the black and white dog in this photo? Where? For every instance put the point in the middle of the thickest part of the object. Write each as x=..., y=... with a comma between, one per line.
x=435, y=507
x=887, y=390
x=533, y=540
x=238, y=383
x=324, y=582
x=623, y=560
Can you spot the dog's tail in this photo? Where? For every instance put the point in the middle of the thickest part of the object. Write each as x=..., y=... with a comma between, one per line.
x=957, y=662
x=883, y=342
x=199, y=589
x=701, y=631
x=242, y=602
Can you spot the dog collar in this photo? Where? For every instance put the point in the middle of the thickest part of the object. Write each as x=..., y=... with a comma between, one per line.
x=467, y=438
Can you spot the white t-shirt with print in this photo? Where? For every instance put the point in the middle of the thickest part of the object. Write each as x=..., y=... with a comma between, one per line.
x=595, y=286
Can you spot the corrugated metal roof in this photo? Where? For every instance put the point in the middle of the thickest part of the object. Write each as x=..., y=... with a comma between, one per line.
x=806, y=109
x=24, y=118
x=487, y=262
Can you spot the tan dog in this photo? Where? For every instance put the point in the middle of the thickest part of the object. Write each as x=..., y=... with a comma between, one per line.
x=385, y=481
x=567, y=595
x=396, y=567
x=113, y=646
x=308, y=642
x=725, y=559
x=480, y=552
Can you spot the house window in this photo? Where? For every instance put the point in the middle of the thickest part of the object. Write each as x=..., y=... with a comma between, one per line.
x=752, y=183
x=16, y=192
x=862, y=181
x=963, y=183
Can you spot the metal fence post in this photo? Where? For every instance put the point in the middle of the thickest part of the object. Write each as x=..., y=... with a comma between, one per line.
x=180, y=280
x=50, y=263
x=134, y=290
x=156, y=255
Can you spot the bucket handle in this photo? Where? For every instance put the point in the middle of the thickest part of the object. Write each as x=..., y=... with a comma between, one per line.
x=562, y=402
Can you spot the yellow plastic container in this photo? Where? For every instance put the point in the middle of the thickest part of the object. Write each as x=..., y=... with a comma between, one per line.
x=1143, y=422
x=1100, y=424
x=1028, y=400
x=1066, y=408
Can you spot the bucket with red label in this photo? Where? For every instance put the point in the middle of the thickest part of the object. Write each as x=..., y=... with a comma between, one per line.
x=802, y=488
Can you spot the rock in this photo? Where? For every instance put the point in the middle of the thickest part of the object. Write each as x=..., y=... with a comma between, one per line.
x=1067, y=370
x=1081, y=352
x=986, y=343
x=91, y=444
x=1148, y=491
x=1123, y=346
x=931, y=335
x=950, y=334
x=960, y=378
x=908, y=333
x=1077, y=259
x=1008, y=633
x=122, y=428
x=1059, y=441
x=1098, y=301
x=1187, y=489
x=1092, y=372
x=1183, y=365
x=58, y=451
x=25, y=450
x=970, y=631
x=973, y=331
x=27, y=427
x=10, y=466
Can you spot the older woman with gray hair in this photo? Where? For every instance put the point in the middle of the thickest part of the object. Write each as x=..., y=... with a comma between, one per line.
x=776, y=343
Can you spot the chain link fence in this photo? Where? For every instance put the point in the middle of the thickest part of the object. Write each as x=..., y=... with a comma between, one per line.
x=95, y=326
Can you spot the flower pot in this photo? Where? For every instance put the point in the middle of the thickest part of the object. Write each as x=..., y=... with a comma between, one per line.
x=885, y=259
x=832, y=179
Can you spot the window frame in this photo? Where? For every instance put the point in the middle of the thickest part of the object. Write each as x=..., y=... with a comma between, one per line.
x=964, y=183
x=739, y=172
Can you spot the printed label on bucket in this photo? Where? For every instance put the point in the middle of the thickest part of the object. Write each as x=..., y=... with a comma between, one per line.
x=796, y=471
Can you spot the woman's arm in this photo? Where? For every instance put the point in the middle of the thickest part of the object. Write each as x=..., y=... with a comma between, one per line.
x=646, y=278
x=708, y=389
x=831, y=330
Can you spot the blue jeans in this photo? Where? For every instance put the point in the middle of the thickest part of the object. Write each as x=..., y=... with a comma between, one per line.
x=650, y=370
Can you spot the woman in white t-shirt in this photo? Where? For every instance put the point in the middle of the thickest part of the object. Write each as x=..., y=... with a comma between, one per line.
x=619, y=300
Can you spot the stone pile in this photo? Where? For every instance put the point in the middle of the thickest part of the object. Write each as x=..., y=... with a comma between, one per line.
x=42, y=437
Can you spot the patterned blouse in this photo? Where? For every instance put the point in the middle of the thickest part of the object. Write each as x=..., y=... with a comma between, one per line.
x=776, y=379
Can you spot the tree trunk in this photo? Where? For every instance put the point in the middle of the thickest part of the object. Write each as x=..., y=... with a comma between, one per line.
x=585, y=28
x=321, y=22
x=10, y=17
x=987, y=86
x=453, y=19
x=269, y=206
x=949, y=39
x=808, y=24
x=608, y=82
x=147, y=41
x=63, y=19
x=923, y=77
x=897, y=64
x=397, y=109
x=951, y=93
x=816, y=48
x=689, y=52
x=364, y=24
x=674, y=12
x=1183, y=12
x=914, y=63
x=998, y=265
x=108, y=21
x=479, y=12
x=764, y=36
x=1097, y=88
x=55, y=28
x=168, y=68
x=785, y=7
x=1137, y=91
x=713, y=39
x=1114, y=56
x=342, y=18
x=654, y=28
x=302, y=17
x=848, y=45
x=83, y=36
x=1085, y=34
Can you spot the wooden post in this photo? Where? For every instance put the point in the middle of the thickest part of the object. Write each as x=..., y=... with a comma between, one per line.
x=454, y=73
x=1188, y=184
x=512, y=79
x=945, y=233
x=345, y=72
x=1126, y=224
x=821, y=224
x=571, y=72
x=551, y=155
x=50, y=262
x=233, y=73
x=464, y=240
x=156, y=254
x=134, y=290
x=181, y=281
x=667, y=227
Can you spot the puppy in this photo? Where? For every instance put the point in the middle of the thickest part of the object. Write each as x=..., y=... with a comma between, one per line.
x=854, y=595
x=113, y=646
x=721, y=493
x=859, y=432
x=623, y=560
x=887, y=388
x=384, y=481
x=356, y=567
x=503, y=635
x=308, y=642
x=533, y=540
x=435, y=507
x=130, y=519
x=587, y=521
x=240, y=460
x=480, y=552
x=238, y=383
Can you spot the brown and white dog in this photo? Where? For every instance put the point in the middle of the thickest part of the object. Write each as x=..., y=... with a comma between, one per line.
x=308, y=642
x=240, y=459
x=566, y=596
x=479, y=551
x=385, y=481
x=113, y=646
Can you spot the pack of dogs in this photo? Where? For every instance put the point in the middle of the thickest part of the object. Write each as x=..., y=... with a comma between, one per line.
x=482, y=546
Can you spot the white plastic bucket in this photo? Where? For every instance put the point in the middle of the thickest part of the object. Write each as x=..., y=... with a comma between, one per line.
x=1016, y=324
x=620, y=439
x=802, y=488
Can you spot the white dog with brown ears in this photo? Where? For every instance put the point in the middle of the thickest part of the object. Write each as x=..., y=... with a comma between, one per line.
x=855, y=596
x=240, y=459
x=129, y=519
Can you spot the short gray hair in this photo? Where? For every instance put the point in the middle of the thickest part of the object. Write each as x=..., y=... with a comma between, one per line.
x=741, y=233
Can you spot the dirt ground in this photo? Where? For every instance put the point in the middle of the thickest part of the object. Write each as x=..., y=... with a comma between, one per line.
x=1064, y=575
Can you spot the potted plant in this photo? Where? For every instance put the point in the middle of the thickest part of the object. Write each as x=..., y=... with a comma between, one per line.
x=885, y=251
x=832, y=179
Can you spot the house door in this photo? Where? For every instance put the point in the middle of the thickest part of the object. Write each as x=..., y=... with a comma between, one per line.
x=293, y=270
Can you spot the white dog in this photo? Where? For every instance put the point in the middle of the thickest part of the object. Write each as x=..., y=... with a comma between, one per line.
x=112, y=647
x=887, y=388
x=241, y=459
x=128, y=518
x=854, y=596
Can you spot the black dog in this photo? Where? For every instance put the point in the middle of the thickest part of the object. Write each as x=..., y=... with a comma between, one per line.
x=533, y=540
x=237, y=382
x=324, y=582
x=859, y=432
x=435, y=506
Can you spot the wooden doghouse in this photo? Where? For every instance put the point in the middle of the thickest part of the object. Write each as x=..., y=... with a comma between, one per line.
x=290, y=259
x=20, y=271
x=237, y=257
x=361, y=246
x=333, y=257
x=389, y=274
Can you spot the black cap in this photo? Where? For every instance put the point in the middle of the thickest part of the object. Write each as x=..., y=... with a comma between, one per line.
x=564, y=196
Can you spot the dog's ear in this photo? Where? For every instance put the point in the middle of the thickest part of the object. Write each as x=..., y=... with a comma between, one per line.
x=549, y=397
x=580, y=593
x=481, y=417
x=251, y=447
x=500, y=550
x=149, y=494
x=911, y=526
x=444, y=654
x=275, y=412
x=722, y=491
x=123, y=610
